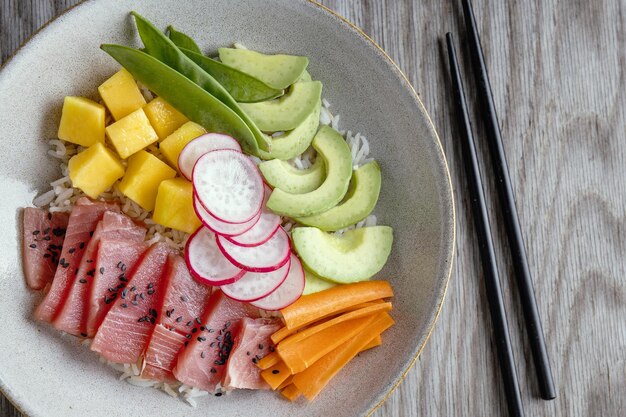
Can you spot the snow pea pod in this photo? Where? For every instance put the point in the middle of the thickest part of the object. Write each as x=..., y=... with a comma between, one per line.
x=182, y=93
x=242, y=87
x=162, y=48
x=182, y=40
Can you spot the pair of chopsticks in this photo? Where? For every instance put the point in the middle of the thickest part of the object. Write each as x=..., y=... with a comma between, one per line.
x=483, y=229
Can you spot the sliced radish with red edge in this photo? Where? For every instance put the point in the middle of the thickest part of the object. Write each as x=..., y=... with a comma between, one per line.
x=206, y=262
x=263, y=230
x=255, y=285
x=219, y=227
x=228, y=185
x=263, y=258
x=201, y=145
x=288, y=292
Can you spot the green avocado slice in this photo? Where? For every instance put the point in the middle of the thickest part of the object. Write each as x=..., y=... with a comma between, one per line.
x=358, y=204
x=294, y=142
x=313, y=283
x=354, y=256
x=335, y=152
x=288, y=111
x=280, y=174
x=277, y=71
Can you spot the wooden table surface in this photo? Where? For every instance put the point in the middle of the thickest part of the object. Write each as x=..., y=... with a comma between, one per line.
x=558, y=73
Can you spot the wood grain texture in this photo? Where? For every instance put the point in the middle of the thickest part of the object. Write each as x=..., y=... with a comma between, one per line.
x=557, y=69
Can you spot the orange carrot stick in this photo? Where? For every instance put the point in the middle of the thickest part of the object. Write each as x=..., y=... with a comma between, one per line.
x=291, y=392
x=310, y=308
x=308, y=332
x=300, y=355
x=377, y=341
x=268, y=360
x=311, y=381
x=276, y=375
x=285, y=331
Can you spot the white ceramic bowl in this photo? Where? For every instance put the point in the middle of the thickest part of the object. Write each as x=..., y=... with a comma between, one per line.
x=45, y=374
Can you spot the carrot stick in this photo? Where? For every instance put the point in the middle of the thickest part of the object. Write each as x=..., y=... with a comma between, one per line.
x=377, y=341
x=268, y=360
x=311, y=381
x=300, y=355
x=310, y=308
x=291, y=392
x=308, y=332
x=285, y=331
x=276, y=374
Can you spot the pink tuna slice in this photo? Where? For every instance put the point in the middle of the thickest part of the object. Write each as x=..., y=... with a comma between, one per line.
x=126, y=329
x=118, y=258
x=202, y=365
x=72, y=316
x=252, y=344
x=184, y=302
x=44, y=233
x=82, y=222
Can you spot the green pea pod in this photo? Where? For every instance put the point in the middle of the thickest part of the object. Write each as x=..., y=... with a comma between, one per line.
x=183, y=94
x=162, y=48
x=183, y=41
x=242, y=87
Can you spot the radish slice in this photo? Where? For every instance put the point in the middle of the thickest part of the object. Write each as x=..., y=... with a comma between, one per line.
x=206, y=262
x=255, y=285
x=263, y=258
x=219, y=227
x=262, y=231
x=228, y=185
x=288, y=292
x=201, y=145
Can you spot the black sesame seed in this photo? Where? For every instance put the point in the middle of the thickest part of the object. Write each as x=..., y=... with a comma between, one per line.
x=272, y=348
x=179, y=319
x=82, y=245
x=183, y=298
x=141, y=319
x=211, y=330
x=91, y=233
x=168, y=313
x=152, y=320
x=189, y=323
x=153, y=312
x=227, y=325
x=213, y=370
x=124, y=293
x=82, y=281
x=248, y=353
x=202, y=328
x=218, y=394
x=46, y=255
x=47, y=238
x=203, y=355
x=36, y=232
x=275, y=371
x=72, y=250
x=261, y=346
x=101, y=270
x=46, y=231
x=89, y=261
x=142, y=296
x=32, y=245
x=124, y=305
x=90, y=272
x=134, y=303
x=255, y=360
x=150, y=285
x=119, y=264
x=133, y=288
x=123, y=267
x=186, y=343
x=201, y=339
x=194, y=330
x=212, y=344
x=150, y=292
x=188, y=336
x=198, y=320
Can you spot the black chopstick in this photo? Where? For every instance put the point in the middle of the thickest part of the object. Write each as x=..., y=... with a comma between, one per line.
x=509, y=211
x=483, y=230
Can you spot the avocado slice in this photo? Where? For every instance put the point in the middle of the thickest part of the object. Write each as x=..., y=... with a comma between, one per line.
x=288, y=111
x=277, y=71
x=357, y=205
x=280, y=174
x=313, y=283
x=335, y=152
x=296, y=141
x=354, y=256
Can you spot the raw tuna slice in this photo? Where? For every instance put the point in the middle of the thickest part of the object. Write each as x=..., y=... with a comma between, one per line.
x=118, y=258
x=161, y=355
x=72, y=316
x=82, y=222
x=252, y=344
x=202, y=363
x=44, y=233
x=124, y=332
x=183, y=306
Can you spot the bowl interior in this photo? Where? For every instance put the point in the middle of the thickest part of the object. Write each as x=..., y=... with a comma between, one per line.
x=46, y=374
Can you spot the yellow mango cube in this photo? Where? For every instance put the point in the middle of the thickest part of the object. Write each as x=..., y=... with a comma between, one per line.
x=164, y=118
x=121, y=94
x=131, y=134
x=82, y=121
x=174, y=143
x=144, y=173
x=95, y=169
x=174, y=206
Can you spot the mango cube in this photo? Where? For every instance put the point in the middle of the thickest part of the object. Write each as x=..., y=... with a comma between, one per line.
x=131, y=134
x=174, y=206
x=144, y=173
x=95, y=169
x=164, y=118
x=82, y=121
x=174, y=143
x=121, y=94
